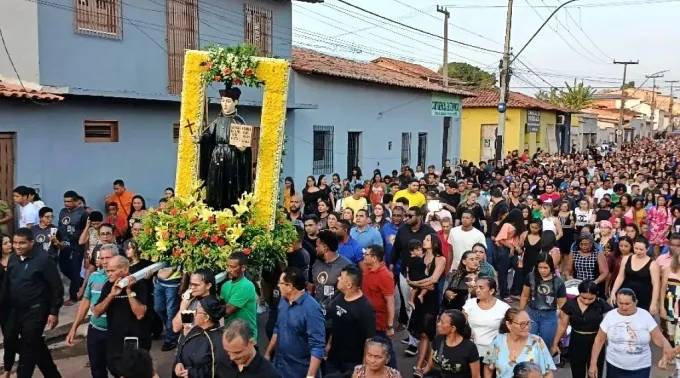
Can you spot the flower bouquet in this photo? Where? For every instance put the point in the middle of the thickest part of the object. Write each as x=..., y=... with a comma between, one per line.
x=233, y=65
x=188, y=233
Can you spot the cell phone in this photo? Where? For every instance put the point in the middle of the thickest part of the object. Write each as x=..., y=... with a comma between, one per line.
x=131, y=343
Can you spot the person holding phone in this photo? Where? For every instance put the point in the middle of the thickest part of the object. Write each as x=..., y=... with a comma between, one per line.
x=201, y=285
x=125, y=309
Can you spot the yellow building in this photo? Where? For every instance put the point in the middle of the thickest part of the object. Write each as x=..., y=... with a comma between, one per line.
x=529, y=124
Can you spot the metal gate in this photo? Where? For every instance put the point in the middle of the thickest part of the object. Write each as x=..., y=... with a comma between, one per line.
x=353, y=146
x=7, y=160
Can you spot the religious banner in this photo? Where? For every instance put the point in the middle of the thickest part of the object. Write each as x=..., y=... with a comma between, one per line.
x=533, y=121
x=445, y=106
x=241, y=136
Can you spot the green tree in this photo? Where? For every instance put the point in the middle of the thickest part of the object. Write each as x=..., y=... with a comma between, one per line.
x=630, y=84
x=471, y=75
x=576, y=97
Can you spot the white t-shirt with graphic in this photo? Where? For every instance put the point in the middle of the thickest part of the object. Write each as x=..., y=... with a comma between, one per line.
x=28, y=215
x=629, y=338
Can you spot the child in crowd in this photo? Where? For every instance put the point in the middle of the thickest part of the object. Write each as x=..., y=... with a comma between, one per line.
x=416, y=270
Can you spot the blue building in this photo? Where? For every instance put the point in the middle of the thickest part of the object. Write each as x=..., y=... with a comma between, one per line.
x=118, y=65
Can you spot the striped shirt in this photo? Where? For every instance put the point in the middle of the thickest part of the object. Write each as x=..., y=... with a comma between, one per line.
x=92, y=292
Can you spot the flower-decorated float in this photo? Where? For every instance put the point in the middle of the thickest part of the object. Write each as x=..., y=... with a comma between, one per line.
x=218, y=208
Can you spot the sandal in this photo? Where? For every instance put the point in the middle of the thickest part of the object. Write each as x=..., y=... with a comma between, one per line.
x=418, y=372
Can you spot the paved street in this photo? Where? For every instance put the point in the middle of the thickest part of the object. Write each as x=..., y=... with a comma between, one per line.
x=71, y=362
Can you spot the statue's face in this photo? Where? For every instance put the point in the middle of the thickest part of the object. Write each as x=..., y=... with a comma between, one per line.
x=228, y=105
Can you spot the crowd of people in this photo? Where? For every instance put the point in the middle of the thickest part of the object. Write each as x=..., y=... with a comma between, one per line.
x=484, y=266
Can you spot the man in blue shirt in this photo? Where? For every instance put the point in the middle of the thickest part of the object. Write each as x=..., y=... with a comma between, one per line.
x=389, y=230
x=362, y=232
x=300, y=333
x=348, y=247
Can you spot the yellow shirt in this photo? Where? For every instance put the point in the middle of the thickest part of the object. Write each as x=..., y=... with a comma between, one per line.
x=414, y=199
x=354, y=204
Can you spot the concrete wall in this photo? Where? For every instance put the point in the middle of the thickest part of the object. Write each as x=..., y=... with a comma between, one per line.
x=135, y=66
x=51, y=153
x=381, y=113
x=19, y=20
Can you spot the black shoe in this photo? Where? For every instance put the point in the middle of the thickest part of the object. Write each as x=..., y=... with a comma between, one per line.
x=411, y=351
x=168, y=346
x=405, y=340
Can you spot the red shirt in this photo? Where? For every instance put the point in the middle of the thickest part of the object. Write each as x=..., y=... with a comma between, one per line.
x=554, y=196
x=376, y=285
x=121, y=225
x=444, y=239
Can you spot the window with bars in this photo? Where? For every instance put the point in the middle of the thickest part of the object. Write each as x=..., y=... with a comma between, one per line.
x=175, y=132
x=422, y=149
x=258, y=28
x=353, y=148
x=99, y=17
x=182, y=35
x=405, y=149
x=323, y=149
x=100, y=131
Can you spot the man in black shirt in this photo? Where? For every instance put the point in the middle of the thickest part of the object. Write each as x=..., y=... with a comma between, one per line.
x=309, y=242
x=34, y=295
x=353, y=323
x=450, y=197
x=125, y=310
x=244, y=360
x=45, y=235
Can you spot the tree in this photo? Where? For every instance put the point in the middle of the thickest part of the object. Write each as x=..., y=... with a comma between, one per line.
x=471, y=75
x=574, y=98
x=630, y=84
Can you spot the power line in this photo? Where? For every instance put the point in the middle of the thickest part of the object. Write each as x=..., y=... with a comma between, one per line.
x=416, y=29
x=595, y=5
x=588, y=37
x=11, y=61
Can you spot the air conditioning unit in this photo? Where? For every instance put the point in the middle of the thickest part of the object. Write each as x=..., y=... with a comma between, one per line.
x=560, y=119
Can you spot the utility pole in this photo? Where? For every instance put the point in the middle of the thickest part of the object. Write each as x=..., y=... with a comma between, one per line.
x=670, y=105
x=654, y=77
x=619, y=136
x=504, y=87
x=445, y=79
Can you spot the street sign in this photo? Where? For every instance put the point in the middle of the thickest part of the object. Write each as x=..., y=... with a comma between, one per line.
x=533, y=121
x=501, y=107
x=445, y=106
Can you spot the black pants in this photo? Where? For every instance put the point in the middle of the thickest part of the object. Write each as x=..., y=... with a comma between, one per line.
x=11, y=346
x=26, y=326
x=96, y=352
x=580, y=347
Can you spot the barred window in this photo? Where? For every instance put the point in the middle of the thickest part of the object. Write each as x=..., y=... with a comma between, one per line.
x=422, y=149
x=258, y=28
x=323, y=149
x=100, y=131
x=405, y=149
x=182, y=35
x=99, y=17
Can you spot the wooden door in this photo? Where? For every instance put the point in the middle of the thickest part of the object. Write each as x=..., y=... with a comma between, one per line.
x=488, y=142
x=7, y=160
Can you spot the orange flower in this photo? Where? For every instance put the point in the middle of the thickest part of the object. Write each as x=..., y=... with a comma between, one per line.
x=227, y=71
x=193, y=240
x=195, y=220
x=176, y=253
x=211, y=220
x=217, y=78
x=166, y=235
x=214, y=238
x=148, y=231
x=182, y=235
x=246, y=251
x=221, y=242
x=248, y=72
x=204, y=235
x=237, y=81
x=174, y=212
x=223, y=227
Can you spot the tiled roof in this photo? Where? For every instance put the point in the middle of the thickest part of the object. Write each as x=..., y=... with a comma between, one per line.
x=17, y=91
x=488, y=98
x=314, y=62
x=611, y=114
x=414, y=70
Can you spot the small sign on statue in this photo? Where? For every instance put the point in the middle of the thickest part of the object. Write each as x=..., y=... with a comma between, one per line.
x=240, y=136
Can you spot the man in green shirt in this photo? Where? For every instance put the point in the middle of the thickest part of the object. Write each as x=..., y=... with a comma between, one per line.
x=239, y=293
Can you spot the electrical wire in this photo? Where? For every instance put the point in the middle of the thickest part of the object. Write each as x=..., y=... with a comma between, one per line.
x=578, y=24
x=595, y=5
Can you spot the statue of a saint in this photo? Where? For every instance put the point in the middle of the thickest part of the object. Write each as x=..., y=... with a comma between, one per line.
x=226, y=170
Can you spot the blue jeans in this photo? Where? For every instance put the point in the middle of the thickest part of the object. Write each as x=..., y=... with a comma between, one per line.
x=502, y=259
x=70, y=264
x=166, y=305
x=489, y=251
x=393, y=357
x=96, y=352
x=543, y=324
x=613, y=371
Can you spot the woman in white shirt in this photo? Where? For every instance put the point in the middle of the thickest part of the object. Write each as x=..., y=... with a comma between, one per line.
x=485, y=314
x=628, y=331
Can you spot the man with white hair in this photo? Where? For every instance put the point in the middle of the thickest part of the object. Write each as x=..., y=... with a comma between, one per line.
x=125, y=309
x=97, y=328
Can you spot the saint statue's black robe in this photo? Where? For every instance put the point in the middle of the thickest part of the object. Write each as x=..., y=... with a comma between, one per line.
x=227, y=172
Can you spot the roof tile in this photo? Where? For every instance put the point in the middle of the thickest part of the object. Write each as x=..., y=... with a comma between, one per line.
x=18, y=91
x=489, y=98
x=314, y=62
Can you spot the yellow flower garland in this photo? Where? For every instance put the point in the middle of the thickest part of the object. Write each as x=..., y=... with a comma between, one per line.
x=274, y=72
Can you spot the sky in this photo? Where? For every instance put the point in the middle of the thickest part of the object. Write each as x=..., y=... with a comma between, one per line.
x=579, y=42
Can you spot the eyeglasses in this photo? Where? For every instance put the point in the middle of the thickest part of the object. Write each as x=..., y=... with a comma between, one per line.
x=285, y=283
x=523, y=324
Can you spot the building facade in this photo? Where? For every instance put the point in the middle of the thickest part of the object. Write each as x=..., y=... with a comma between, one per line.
x=118, y=66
